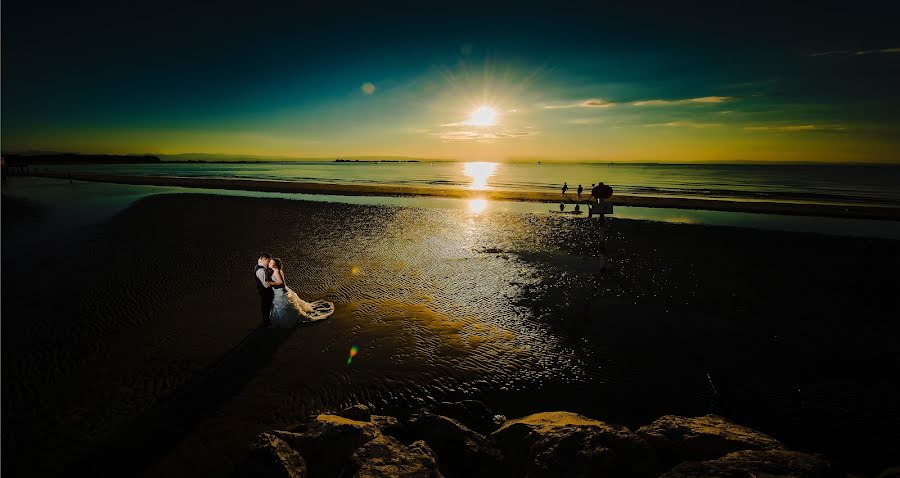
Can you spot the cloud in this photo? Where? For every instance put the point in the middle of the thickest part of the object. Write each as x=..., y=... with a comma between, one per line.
x=367, y=88
x=583, y=121
x=686, y=101
x=462, y=136
x=880, y=50
x=857, y=52
x=798, y=128
x=411, y=131
x=832, y=52
x=589, y=103
x=686, y=124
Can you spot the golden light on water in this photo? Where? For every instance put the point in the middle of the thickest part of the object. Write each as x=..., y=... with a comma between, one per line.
x=479, y=172
x=477, y=206
x=483, y=116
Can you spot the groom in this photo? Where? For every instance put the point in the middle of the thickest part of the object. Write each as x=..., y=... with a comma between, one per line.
x=266, y=294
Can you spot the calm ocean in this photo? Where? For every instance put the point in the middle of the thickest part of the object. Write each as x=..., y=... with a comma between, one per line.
x=877, y=184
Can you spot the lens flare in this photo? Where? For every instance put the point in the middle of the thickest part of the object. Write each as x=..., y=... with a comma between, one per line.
x=354, y=349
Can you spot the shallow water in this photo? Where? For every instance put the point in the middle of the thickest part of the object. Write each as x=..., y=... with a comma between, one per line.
x=78, y=203
x=873, y=184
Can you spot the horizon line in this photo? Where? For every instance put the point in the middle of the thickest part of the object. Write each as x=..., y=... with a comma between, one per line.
x=229, y=157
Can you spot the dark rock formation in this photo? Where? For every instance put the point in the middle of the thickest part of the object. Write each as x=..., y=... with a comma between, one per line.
x=359, y=413
x=457, y=447
x=679, y=439
x=748, y=463
x=471, y=413
x=550, y=444
x=385, y=456
x=892, y=472
x=328, y=441
x=271, y=457
x=555, y=444
x=388, y=425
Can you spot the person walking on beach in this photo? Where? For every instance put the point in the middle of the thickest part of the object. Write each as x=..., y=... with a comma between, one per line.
x=565, y=188
x=263, y=276
x=562, y=207
x=580, y=190
x=599, y=193
x=595, y=192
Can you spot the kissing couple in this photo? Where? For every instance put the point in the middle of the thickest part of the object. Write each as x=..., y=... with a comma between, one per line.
x=280, y=305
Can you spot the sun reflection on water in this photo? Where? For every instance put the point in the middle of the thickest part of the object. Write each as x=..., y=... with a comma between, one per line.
x=479, y=172
x=477, y=206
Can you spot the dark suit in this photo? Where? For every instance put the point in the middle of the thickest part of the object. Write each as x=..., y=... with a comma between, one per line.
x=266, y=294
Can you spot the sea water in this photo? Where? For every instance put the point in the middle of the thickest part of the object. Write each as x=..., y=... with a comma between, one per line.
x=842, y=184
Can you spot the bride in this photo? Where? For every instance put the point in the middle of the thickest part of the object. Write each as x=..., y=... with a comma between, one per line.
x=287, y=308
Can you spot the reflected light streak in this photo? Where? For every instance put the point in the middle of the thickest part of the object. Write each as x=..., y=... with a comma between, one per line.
x=477, y=206
x=479, y=172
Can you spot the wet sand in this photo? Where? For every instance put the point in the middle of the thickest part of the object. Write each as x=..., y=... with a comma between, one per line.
x=765, y=207
x=136, y=350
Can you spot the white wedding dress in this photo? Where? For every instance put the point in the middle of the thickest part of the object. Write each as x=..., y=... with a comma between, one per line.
x=288, y=309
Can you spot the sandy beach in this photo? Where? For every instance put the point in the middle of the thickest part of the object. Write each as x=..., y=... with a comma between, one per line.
x=766, y=207
x=136, y=348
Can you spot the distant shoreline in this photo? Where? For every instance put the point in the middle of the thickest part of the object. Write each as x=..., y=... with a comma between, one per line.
x=375, y=160
x=889, y=213
x=26, y=158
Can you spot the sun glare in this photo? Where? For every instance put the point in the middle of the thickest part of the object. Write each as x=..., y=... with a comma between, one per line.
x=479, y=172
x=483, y=116
x=477, y=206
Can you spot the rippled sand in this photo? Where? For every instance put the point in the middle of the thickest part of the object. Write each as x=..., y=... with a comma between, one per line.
x=138, y=347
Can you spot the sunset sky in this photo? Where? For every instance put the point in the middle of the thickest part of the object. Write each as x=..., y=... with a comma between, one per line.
x=562, y=81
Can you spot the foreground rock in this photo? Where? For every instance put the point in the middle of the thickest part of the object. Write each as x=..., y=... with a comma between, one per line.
x=388, y=425
x=769, y=464
x=328, y=441
x=457, y=447
x=678, y=439
x=385, y=456
x=552, y=444
x=359, y=413
x=555, y=444
x=471, y=413
x=271, y=457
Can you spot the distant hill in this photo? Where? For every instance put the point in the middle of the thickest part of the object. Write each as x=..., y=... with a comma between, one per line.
x=71, y=158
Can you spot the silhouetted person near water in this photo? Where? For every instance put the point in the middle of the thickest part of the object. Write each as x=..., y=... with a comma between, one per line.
x=577, y=209
x=600, y=192
x=580, y=190
x=565, y=188
x=262, y=276
x=562, y=207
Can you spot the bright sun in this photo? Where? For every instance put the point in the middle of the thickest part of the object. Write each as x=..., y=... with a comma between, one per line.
x=483, y=116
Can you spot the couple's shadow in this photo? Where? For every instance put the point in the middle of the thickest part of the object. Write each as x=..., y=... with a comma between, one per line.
x=155, y=432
